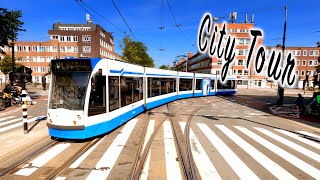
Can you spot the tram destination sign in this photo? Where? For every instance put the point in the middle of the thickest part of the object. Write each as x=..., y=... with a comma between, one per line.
x=71, y=65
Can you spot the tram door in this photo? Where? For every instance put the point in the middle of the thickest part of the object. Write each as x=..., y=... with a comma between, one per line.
x=205, y=86
x=97, y=102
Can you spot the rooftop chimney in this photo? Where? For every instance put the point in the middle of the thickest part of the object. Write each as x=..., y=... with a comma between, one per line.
x=88, y=19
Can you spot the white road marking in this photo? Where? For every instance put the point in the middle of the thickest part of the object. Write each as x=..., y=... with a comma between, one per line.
x=204, y=165
x=85, y=155
x=5, y=118
x=267, y=163
x=16, y=125
x=34, y=165
x=282, y=153
x=172, y=165
x=297, y=137
x=144, y=173
x=11, y=121
x=309, y=134
x=290, y=144
x=105, y=164
x=240, y=168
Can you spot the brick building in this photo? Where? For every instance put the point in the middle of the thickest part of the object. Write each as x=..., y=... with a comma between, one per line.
x=202, y=63
x=66, y=40
x=306, y=60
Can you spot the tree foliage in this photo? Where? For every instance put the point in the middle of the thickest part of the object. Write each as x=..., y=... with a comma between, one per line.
x=10, y=25
x=168, y=67
x=136, y=52
x=6, y=64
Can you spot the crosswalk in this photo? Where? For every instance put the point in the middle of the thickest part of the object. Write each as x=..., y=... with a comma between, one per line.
x=275, y=150
x=11, y=122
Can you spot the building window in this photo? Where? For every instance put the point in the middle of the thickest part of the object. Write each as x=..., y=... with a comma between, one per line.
x=241, y=52
x=62, y=49
x=302, y=73
x=315, y=63
x=75, y=49
x=68, y=38
x=240, y=62
x=62, y=38
x=297, y=62
x=310, y=63
x=241, y=41
x=303, y=63
x=48, y=49
x=41, y=49
x=54, y=37
x=69, y=49
x=311, y=53
x=316, y=52
x=86, y=49
x=298, y=52
x=305, y=52
x=86, y=38
x=75, y=38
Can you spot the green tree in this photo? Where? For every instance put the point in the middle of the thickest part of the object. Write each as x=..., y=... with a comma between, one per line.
x=9, y=27
x=165, y=67
x=136, y=52
x=6, y=64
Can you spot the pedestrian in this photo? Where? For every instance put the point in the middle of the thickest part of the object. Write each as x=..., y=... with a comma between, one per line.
x=300, y=103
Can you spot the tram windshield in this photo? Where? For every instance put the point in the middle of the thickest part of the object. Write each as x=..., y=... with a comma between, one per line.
x=68, y=90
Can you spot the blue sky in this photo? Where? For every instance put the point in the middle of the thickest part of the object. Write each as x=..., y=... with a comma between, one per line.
x=144, y=19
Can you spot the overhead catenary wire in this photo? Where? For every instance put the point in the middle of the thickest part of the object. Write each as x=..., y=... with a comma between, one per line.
x=124, y=19
x=103, y=17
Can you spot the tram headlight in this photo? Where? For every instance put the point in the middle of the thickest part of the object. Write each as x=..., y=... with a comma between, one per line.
x=74, y=123
x=79, y=117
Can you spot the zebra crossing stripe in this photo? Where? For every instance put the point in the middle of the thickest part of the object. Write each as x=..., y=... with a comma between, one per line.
x=232, y=159
x=172, y=165
x=5, y=118
x=15, y=125
x=267, y=163
x=315, y=173
x=144, y=173
x=297, y=137
x=105, y=164
x=85, y=155
x=34, y=165
x=11, y=121
x=290, y=144
x=204, y=165
x=309, y=134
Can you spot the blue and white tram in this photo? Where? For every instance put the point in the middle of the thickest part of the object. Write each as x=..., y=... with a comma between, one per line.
x=90, y=97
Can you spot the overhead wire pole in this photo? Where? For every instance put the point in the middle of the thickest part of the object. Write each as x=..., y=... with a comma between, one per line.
x=280, y=88
x=161, y=28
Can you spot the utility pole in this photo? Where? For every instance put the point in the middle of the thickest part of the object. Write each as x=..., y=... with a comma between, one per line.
x=12, y=46
x=280, y=88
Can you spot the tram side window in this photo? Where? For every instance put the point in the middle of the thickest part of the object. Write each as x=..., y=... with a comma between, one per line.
x=185, y=84
x=167, y=85
x=198, y=84
x=113, y=93
x=153, y=87
x=230, y=84
x=97, y=101
x=131, y=90
x=212, y=84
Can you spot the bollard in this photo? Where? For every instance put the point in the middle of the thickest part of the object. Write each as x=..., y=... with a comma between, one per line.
x=24, y=112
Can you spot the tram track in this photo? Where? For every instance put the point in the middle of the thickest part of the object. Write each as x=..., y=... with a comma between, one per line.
x=186, y=160
x=12, y=167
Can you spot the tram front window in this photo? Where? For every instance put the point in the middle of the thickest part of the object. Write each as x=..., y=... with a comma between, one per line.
x=68, y=90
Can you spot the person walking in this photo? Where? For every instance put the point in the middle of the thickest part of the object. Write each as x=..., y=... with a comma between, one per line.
x=300, y=103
